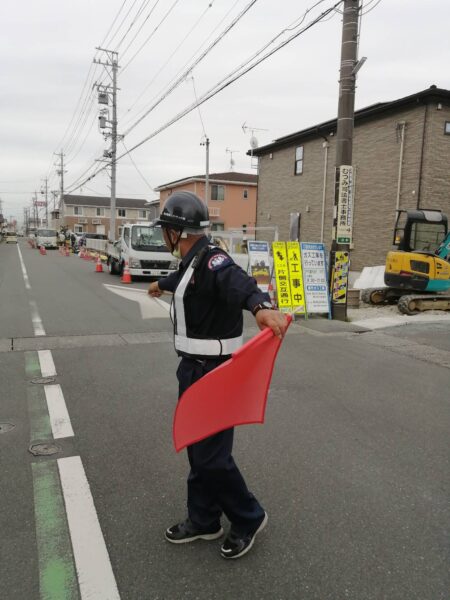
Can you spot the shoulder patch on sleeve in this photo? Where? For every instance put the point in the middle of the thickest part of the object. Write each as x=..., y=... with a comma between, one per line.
x=218, y=261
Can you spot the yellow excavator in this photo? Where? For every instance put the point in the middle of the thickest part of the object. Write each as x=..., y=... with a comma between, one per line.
x=417, y=273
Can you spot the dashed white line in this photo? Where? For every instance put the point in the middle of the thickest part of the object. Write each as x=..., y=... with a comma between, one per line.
x=24, y=270
x=95, y=575
x=57, y=410
x=36, y=319
x=46, y=362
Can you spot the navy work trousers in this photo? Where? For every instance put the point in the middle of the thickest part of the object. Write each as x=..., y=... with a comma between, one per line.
x=215, y=484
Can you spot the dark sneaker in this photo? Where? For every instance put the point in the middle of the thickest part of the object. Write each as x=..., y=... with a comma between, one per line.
x=236, y=545
x=184, y=532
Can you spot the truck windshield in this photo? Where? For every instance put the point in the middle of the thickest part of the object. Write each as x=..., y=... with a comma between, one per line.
x=47, y=232
x=147, y=238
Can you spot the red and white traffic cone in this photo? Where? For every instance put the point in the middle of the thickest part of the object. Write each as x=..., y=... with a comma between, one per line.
x=42, y=250
x=272, y=295
x=126, y=275
x=99, y=266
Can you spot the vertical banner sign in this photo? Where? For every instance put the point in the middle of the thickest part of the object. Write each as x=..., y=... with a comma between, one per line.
x=315, y=278
x=340, y=278
x=259, y=264
x=282, y=276
x=344, y=223
x=296, y=278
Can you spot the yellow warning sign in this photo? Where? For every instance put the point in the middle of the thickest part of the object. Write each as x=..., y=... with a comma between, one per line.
x=282, y=276
x=295, y=277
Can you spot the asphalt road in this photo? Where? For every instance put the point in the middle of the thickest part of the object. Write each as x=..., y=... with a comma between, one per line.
x=352, y=463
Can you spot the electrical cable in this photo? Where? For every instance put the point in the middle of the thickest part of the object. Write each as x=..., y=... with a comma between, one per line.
x=183, y=76
x=151, y=35
x=225, y=82
x=370, y=9
x=146, y=2
x=170, y=57
x=137, y=168
x=112, y=24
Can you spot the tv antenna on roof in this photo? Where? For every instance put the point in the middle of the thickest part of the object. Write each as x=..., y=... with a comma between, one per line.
x=253, y=139
x=231, y=152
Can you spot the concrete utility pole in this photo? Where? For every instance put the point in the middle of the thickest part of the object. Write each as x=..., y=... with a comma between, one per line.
x=45, y=192
x=105, y=91
x=60, y=171
x=206, y=144
x=343, y=198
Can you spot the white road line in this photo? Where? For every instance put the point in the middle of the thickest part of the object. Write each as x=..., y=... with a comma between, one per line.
x=36, y=319
x=95, y=575
x=57, y=410
x=24, y=270
x=46, y=362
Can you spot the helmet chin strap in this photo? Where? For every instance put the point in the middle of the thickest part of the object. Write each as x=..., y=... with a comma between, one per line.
x=174, y=245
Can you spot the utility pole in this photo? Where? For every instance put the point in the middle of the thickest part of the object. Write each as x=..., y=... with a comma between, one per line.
x=60, y=171
x=343, y=197
x=45, y=192
x=105, y=92
x=206, y=144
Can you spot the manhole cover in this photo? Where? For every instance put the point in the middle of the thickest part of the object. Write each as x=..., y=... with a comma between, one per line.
x=44, y=449
x=5, y=427
x=43, y=380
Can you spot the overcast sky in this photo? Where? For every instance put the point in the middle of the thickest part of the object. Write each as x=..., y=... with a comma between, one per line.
x=47, y=47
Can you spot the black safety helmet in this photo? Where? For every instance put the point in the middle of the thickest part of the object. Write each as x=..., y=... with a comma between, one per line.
x=184, y=210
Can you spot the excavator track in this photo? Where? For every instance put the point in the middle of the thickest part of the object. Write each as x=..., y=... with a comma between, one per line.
x=382, y=295
x=414, y=304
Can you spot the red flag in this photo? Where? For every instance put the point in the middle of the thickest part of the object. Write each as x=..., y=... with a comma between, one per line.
x=235, y=393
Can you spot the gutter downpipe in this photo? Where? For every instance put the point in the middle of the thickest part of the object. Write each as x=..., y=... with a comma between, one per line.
x=402, y=126
x=422, y=154
x=325, y=145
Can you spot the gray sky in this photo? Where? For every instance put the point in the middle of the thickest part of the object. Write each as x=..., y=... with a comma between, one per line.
x=47, y=47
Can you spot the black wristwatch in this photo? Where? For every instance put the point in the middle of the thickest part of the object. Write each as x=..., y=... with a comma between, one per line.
x=262, y=306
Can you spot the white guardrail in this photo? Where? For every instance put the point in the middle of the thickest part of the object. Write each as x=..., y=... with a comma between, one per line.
x=97, y=245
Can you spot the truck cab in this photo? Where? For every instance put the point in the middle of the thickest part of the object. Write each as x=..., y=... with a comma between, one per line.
x=142, y=246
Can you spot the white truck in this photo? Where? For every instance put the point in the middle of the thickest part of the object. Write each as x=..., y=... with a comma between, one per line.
x=142, y=246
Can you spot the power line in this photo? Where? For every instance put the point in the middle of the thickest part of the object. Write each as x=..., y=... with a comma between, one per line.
x=183, y=76
x=137, y=168
x=370, y=9
x=146, y=2
x=151, y=35
x=173, y=53
x=112, y=24
x=225, y=82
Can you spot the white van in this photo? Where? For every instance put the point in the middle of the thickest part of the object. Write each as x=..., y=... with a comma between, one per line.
x=47, y=238
x=11, y=237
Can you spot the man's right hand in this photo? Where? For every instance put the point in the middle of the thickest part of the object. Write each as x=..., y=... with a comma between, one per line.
x=154, y=290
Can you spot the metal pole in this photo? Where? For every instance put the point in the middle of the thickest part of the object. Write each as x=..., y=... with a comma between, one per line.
x=345, y=123
x=46, y=202
x=400, y=165
x=207, y=173
x=325, y=145
x=112, y=220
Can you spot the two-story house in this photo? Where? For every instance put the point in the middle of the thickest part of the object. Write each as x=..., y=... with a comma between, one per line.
x=232, y=197
x=91, y=214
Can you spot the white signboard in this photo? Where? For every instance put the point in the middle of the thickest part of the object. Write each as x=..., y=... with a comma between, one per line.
x=344, y=226
x=259, y=265
x=315, y=281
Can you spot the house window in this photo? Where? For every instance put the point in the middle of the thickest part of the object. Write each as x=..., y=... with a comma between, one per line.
x=100, y=212
x=217, y=226
x=299, y=160
x=447, y=128
x=142, y=214
x=78, y=228
x=121, y=212
x=217, y=192
x=245, y=194
x=78, y=210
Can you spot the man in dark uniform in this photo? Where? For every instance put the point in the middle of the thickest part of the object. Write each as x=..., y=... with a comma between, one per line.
x=210, y=291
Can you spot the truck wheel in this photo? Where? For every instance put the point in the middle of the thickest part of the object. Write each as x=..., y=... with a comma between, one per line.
x=112, y=267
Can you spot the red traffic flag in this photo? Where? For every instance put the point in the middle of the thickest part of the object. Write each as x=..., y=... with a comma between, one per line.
x=235, y=393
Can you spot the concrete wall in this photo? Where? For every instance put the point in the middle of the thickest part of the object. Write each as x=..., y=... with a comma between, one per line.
x=376, y=156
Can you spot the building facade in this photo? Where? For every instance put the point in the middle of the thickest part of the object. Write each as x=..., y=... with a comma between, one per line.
x=91, y=214
x=401, y=160
x=233, y=196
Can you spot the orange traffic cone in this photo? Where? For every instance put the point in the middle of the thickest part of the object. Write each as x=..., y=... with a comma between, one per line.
x=43, y=251
x=66, y=251
x=272, y=295
x=126, y=275
x=99, y=266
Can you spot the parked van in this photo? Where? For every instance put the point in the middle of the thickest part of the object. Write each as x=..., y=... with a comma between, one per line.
x=47, y=238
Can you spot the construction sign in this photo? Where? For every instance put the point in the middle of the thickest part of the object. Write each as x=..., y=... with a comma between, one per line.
x=315, y=278
x=340, y=278
x=296, y=277
x=259, y=264
x=281, y=268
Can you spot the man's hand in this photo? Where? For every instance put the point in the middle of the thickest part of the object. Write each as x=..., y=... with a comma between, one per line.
x=274, y=319
x=154, y=290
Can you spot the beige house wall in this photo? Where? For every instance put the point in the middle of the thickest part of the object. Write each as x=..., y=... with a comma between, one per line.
x=90, y=215
x=376, y=159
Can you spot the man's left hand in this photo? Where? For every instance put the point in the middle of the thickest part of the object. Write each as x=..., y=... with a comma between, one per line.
x=274, y=319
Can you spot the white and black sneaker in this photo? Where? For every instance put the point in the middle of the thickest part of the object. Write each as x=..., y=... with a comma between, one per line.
x=236, y=545
x=184, y=532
